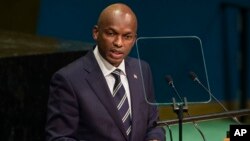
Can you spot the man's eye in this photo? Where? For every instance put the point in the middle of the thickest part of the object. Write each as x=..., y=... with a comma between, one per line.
x=111, y=33
x=128, y=37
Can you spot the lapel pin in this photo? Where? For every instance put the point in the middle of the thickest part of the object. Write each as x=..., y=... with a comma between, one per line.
x=135, y=76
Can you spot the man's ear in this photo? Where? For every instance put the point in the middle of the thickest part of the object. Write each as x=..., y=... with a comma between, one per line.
x=95, y=32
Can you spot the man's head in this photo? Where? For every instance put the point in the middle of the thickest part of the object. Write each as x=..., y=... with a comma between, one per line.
x=115, y=32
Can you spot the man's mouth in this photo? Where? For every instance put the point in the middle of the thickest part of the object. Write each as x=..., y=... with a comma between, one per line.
x=116, y=54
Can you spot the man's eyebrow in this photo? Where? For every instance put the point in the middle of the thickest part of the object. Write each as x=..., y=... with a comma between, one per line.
x=114, y=30
x=110, y=29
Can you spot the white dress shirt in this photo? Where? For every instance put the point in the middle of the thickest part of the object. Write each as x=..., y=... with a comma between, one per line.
x=107, y=69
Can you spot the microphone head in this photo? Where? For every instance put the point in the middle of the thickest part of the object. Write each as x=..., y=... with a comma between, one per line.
x=169, y=80
x=193, y=76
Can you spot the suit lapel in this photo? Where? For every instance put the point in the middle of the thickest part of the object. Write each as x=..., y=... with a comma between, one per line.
x=99, y=85
x=134, y=79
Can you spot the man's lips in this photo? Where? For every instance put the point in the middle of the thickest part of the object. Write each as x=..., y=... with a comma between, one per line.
x=116, y=54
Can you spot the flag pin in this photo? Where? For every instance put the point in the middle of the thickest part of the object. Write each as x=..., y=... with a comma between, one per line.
x=135, y=76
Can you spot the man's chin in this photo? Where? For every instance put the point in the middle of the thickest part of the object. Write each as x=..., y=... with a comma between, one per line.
x=115, y=62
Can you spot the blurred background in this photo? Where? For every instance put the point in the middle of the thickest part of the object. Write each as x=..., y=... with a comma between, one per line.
x=37, y=37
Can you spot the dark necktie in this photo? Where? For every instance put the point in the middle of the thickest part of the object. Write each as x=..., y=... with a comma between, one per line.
x=121, y=101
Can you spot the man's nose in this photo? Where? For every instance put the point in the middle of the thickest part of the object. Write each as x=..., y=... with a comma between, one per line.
x=118, y=41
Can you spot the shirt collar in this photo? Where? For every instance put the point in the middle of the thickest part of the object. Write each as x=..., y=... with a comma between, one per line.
x=105, y=66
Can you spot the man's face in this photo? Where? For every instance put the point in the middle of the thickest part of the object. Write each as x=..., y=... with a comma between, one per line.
x=115, y=37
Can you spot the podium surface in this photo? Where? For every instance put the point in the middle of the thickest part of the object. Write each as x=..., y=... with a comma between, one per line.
x=213, y=130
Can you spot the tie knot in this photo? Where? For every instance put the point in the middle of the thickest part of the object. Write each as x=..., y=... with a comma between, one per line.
x=116, y=73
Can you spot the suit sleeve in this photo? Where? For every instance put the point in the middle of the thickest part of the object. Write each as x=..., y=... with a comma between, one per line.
x=153, y=132
x=62, y=113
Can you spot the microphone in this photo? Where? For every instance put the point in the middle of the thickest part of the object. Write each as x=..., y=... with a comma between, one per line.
x=195, y=78
x=171, y=83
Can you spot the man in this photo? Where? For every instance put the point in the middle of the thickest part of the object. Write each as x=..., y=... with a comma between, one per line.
x=82, y=103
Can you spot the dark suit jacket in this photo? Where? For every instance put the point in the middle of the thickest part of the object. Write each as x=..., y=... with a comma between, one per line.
x=81, y=107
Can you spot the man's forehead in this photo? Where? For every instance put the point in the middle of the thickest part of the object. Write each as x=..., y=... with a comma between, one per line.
x=120, y=30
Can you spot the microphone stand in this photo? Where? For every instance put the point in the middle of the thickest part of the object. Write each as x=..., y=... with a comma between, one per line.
x=179, y=108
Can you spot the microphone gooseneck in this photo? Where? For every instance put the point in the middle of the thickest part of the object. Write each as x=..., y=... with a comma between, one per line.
x=195, y=78
x=171, y=83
